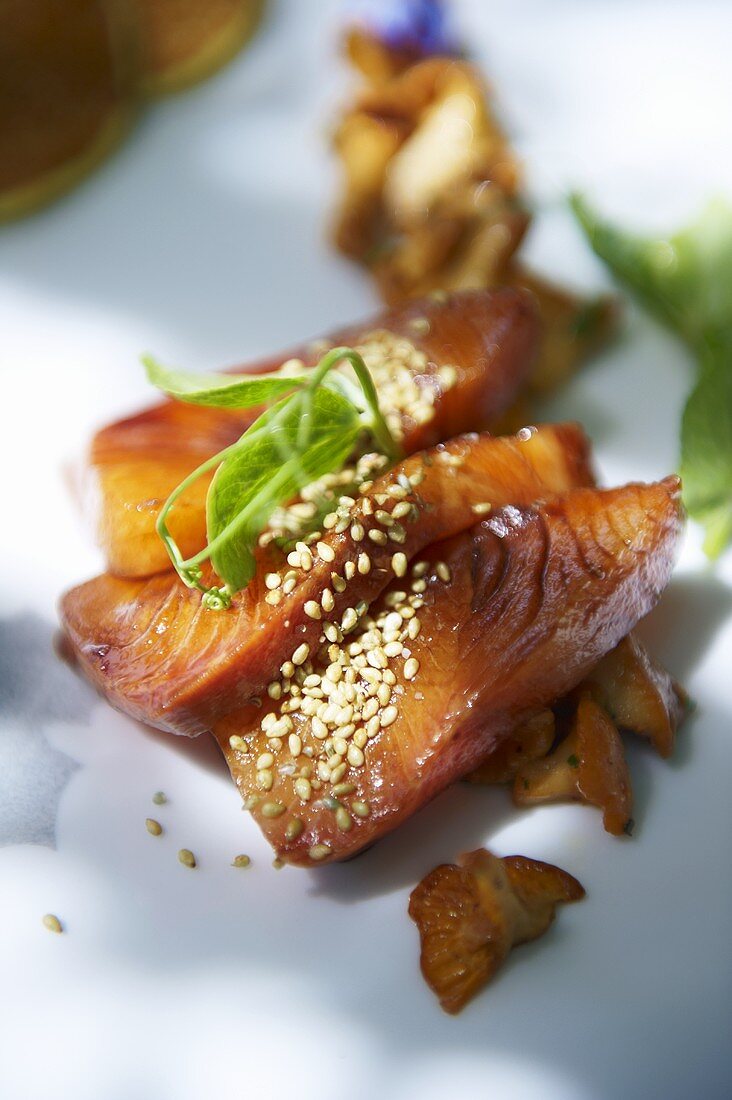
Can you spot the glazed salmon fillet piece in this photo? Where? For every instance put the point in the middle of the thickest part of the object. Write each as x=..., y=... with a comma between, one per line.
x=482, y=631
x=160, y=656
x=442, y=366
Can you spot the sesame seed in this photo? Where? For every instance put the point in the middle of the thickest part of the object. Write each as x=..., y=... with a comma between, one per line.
x=319, y=851
x=364, y=564
x=331, y=632
x=411, y=668
x=393, y=649
x=349, y=570
x=320, y=730
x=397, y=534
x=273, y=598
x=377, y=536
x=341, y=789
x=241, y=861
x=372, y=726
x=325, y=552
x=288, y=671
x=338, y=582
x=360, y=738
x=293, y=558
x=350, y=618
x=357, y=532
x=186, y=857
x=274, y=690
x=344, y=821
x=266, y=760
x=265, y=779
x=52, y=923
x=413, y=627
x=272, y=580
x=361, y=809
x=303, y=789
x=419, y=586
x=383, y=694
x=326, y=600
x=393, y=621
x=481, y=509
x=301, y=654
x=306, y=559
x=153, y=827
x=294, y=744
x=278, y=863
x=272, y=809
x=402, y=509
x=312, y=610
x=289, y=585
x=388, y=716
x=337, y=773
x=294, y=828
x=383, y=518
x=443, y=572
x=330, y=521
x=159, y=798
x=237, y=743
x=355, y=756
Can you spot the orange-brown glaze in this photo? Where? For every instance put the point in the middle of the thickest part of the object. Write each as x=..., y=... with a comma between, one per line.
x=536, y=596
x=160, y=657
x=488, y=336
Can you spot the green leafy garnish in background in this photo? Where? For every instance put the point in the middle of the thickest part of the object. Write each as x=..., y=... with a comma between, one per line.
x=309, y=429
x=686, y=281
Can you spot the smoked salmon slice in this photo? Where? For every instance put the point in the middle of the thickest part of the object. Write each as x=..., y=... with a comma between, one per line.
x=483, y=630
x=443, y=366
x=159, y=656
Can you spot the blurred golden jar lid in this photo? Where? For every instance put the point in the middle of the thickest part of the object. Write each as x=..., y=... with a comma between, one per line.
x=73, y=73
x=68, y=80
x=185, y=41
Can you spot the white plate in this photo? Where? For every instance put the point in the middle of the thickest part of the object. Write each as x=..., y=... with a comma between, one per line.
x=203, y=241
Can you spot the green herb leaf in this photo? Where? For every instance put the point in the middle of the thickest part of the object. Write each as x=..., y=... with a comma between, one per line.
x=222, y=391
x=270, y=466
x=309, y=433
x=706, y=450
x=686, y=281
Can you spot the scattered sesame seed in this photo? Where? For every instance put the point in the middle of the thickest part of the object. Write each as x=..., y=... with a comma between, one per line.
x=402, y=509
x=319, y=851
x=344, y=821
x=272, y=809
x=399, y=564
x=327, y=553
x=159, y=798
x=186, y=857
x=357, y=532
x=377, y=536
x=355, y=756
x=301, y=654
x=443, y=572
x=361, y=809
x=350, y=570
x=341, y=789
x=327, y=601
x=241, y=861
x=313, y=611
x=274, y=690
x=153, y=827
x=272, y=580
x=265, y=779
x=294, y=828
x=52, y=923
x=303, y=789
x=266, y=760
x=364, y=564
x=411, y=668
x=388, y=716
x=294, y=744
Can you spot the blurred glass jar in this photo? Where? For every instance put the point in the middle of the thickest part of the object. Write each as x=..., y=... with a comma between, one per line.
x=74, y=73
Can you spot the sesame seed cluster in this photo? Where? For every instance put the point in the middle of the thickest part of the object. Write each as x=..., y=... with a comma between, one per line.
x=331, y=702
x=407, y=390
